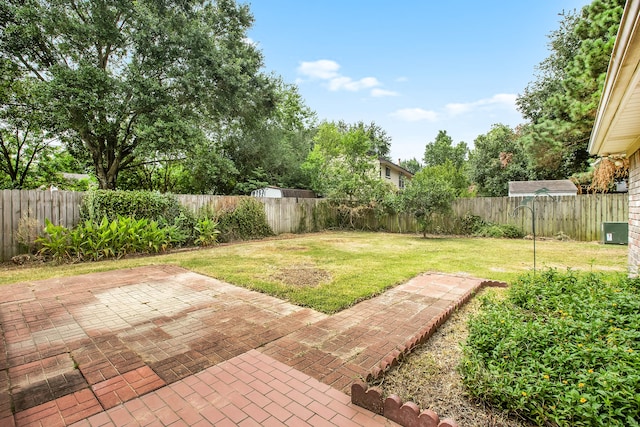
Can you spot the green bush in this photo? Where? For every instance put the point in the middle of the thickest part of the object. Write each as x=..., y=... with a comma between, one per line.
x=499, y=231
x=562, y=349
x=468, y=224
x=95, y=241
x=207, y=232
x=245, y=220
x=162, y=208
x=98, y=204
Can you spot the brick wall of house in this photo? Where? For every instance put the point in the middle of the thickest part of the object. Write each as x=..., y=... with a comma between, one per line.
x=634, y=213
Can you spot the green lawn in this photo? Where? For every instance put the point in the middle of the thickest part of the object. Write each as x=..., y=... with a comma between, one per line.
x=332, y=270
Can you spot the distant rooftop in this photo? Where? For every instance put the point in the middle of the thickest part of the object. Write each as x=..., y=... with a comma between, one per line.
x=560, y=187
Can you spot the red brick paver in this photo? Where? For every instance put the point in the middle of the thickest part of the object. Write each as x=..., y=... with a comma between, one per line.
x=160, y=345
x=349, y=344
x=216, y=396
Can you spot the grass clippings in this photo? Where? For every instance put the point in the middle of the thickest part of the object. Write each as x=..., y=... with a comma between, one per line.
x=429, y=378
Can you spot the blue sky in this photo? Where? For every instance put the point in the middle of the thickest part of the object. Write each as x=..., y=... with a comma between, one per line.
x=413, y=67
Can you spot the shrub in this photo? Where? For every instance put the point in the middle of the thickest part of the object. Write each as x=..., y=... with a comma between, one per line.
x=165, y=209
x=468, y=224
x=98, y=204
x=207, y=232
x=95, y=241
x=28, y=232
x=243, y=221
x=562, y=349
x=499, y=231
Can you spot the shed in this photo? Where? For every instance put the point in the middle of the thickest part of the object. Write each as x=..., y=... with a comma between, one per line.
x=278, y=193
x=559, y=187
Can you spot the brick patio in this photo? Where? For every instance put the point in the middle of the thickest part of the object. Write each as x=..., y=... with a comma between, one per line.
x=160, y=345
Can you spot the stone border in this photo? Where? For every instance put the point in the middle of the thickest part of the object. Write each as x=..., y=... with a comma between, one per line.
x=408, y=414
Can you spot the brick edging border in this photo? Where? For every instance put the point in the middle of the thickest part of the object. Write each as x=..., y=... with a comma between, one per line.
x=408, y=414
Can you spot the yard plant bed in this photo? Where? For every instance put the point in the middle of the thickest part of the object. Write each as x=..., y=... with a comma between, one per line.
x=563, y=348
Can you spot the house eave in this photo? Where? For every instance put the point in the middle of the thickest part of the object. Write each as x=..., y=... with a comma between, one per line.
x=616, y=130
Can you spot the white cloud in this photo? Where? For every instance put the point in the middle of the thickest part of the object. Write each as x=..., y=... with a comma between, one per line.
x=500, y=99
x=415, y=115
x=346, y=83
x=402, y=79
x=378, y=93
x=327, y=70
x=323, y=69
x=250, y=41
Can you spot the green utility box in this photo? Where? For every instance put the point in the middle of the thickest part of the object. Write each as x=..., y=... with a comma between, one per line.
x=616, y=233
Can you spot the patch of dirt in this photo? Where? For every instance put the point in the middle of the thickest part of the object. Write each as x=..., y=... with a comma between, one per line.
x=429, y=378
x=301, y=275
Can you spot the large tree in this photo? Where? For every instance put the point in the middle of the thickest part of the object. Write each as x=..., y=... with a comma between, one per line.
x=440, y=150
x=379, y=141
x=124, y=78
x=497, y=158
x=23, y=142
x=429, y=192
x=561, y=103
x=343, y=168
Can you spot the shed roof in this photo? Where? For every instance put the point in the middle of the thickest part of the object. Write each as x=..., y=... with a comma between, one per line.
x=559, y=187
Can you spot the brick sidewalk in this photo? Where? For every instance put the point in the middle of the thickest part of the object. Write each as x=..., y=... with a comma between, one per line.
x=147, y=344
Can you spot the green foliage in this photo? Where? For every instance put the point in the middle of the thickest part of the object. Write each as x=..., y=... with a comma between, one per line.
x=244, y=221
x=497, y=158
x=24, y=144
x=562, y=349
x=428, y=193
x=412, y=165
x=92, y=241
x=138, y=204
x=499, y=231
x=128, y=78
x=342, y=168
x=206, y=231
x=561, y=103
x=165, y=209
x=379, y=141
x=441, y=150
x=468, y=224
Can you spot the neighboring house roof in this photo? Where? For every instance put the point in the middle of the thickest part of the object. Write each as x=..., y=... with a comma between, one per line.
x=559, y=187
x=385, y=162
x=617, y=127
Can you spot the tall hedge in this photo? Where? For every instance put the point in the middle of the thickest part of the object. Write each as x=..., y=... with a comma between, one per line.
x=98, y=204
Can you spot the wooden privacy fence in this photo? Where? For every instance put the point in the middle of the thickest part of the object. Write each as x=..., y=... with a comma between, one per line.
x=288, y=215
x=60, y=207
x=578, y=217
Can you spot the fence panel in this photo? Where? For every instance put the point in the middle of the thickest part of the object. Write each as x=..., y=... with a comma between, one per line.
x=579, y=217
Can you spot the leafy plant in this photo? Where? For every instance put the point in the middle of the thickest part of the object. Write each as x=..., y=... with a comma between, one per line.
x=562, y=349
x=244, y=221
x=107, y=239
x=55, y=242
x=207, y=232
